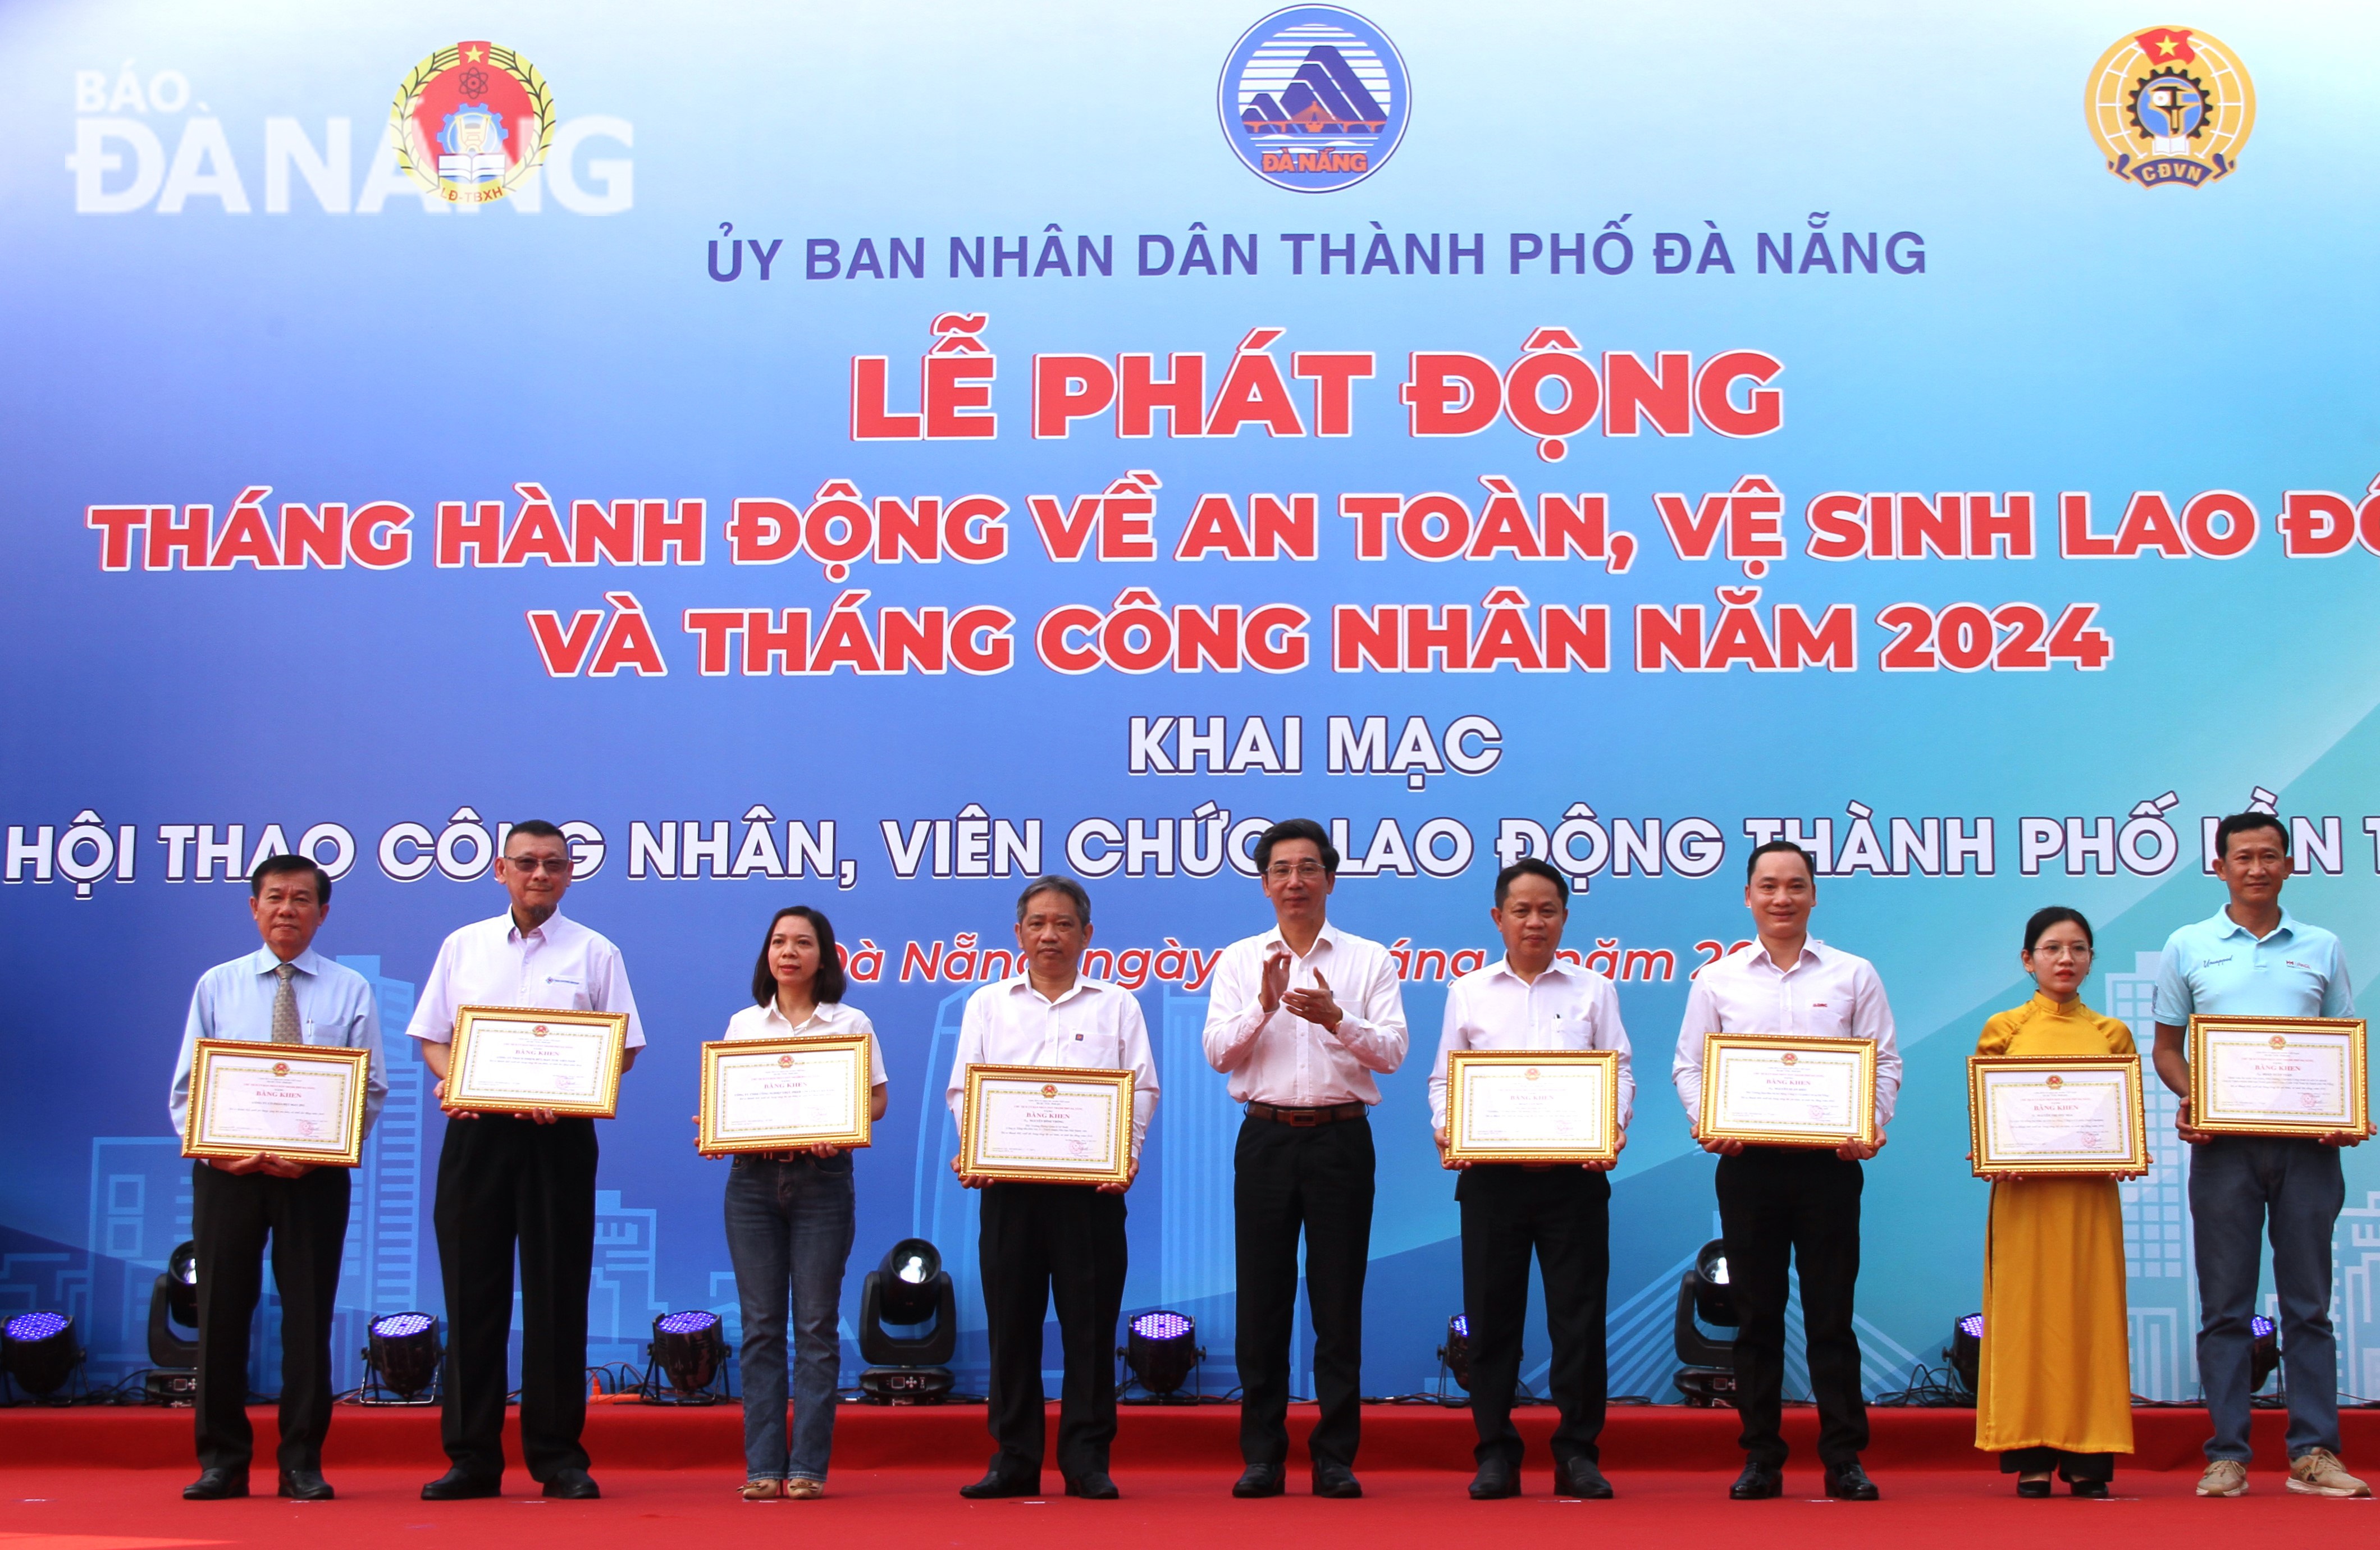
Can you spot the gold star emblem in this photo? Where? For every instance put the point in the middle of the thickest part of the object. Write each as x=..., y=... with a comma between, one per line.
x=473, y=55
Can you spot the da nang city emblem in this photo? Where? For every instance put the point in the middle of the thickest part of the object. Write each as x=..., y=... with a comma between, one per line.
x=2171, y=105
x=471, y=121
x=1313, y=98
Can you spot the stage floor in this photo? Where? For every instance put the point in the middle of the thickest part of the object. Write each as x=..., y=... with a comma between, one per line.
x=111, y=1480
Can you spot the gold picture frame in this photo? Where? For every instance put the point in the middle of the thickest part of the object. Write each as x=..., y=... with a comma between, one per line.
x=2055, y=1072
x=714, y=1138
x=218, y=1066
x=477, y=1088
x=988, y=1125
x=2212, y=1036
x=1719, y=1066
x=1463, y=1066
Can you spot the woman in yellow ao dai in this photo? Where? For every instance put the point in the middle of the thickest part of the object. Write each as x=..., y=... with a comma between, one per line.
x=2055, y=1374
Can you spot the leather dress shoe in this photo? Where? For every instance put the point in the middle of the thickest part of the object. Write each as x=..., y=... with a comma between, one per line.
x=1850, y=1483
x=995, y=1484
x=1581, y=1478
x=2095, y=1489
x=305, y=1485
x=1494, y=1481
x=458, y=1485
x=1758, y=1482
x=1093, y=1486
x=1336, y=1481
x=573, y=1485
x=215, y=1485
x=1260, y=1480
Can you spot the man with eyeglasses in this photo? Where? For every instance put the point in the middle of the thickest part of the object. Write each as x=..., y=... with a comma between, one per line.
x=525, y=1179
x=1301, y=1018
x=2254, y=959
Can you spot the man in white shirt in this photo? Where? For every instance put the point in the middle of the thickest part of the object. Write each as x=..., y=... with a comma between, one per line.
x=1301, y=1017
x=1778, y=1204
x=1533, y=1001
x=527, y=1178
x=282, y=993
x=1040, y=1242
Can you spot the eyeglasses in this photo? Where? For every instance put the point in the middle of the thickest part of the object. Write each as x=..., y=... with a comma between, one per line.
x=1304, y=871
x=552, y=866
x=2064, y=949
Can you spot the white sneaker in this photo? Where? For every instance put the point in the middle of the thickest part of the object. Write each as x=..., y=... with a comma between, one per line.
x=2227, y=1477
x=2318, y=1472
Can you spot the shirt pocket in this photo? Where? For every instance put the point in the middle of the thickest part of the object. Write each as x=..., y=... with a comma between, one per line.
x=1094, y=1050
x=1830, y=1018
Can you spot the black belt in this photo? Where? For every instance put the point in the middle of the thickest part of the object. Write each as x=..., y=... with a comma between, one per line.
x=1329, y=1114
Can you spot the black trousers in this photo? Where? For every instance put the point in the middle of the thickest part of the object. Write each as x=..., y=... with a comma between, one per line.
x=1316, y=1178
x=1040, y=1242
x=503, y=1182
x=1564, y=1216
x=232, y=1216
x=1778, y=1203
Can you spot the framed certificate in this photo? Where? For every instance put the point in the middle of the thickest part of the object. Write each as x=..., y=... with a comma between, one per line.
x=300, y=1101
x=1776, y=1090
x=1533, y=1105
x=2277, y=1075
x=506, y=1059
x=2052, y=1114
x=774, y=1095
x=1046, y=1125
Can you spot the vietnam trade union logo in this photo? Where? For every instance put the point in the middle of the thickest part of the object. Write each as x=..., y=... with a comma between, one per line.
x=2170, y=104
x=1313, y=98
x=471, y=121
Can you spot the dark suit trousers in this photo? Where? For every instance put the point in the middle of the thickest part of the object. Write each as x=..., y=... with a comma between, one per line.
x=1778, y=1203
x=232, y=1216
x=1316, y=1178
x=1040, y=1242
x=501, y=1183
x=1563, y=1213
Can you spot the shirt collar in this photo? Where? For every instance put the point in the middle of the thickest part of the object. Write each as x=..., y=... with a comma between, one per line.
x=1813, y=952
x=1329, y=934
x=2225, y=926
x=1504, y=965
x=1022, y=984
x=547, y=932
x=771, y=1012
x=262, y=962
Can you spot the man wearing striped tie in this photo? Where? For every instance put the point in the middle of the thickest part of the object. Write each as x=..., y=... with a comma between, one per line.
x=282, y=993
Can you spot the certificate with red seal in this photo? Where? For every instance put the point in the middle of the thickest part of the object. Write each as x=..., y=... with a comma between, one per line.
x=511, y=1059
x=304, y=1102
x=1046, y=1125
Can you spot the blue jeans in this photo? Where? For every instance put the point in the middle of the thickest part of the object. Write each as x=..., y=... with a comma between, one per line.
x=2235, y=1183
x=789, y=1230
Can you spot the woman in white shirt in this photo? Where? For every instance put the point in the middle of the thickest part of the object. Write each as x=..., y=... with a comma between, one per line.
x=789, y=1223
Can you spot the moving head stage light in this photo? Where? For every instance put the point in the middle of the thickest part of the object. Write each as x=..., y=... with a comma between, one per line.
x=2265, y=1354
x=172, y=1377
x=1454, y=1357
x=1707, y=1375
x=401, y=1360
x=1163, y=1348
x=39, y=1353
x=908, y=1326
x=691, y=1348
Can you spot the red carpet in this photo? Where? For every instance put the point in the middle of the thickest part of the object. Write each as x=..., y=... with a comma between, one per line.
x=110, y=1479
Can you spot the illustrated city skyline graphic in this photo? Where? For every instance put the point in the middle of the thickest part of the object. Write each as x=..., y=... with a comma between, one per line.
x=139, y=1209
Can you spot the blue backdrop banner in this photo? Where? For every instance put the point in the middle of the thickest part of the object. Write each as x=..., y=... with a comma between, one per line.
x=866, y=455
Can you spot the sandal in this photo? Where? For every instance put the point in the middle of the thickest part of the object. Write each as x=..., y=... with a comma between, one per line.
x=761, y=1489
x=801, y=1489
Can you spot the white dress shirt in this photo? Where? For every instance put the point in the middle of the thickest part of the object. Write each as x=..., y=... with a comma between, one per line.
x=1567, y=1007
x=234, y=1001
x=1094, y=1027
x=1283, y=1059
x=831, y=1019
x=491, y=963
x=1827, y=994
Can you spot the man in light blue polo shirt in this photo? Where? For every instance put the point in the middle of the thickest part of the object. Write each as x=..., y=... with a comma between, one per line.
x=2253, y=958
